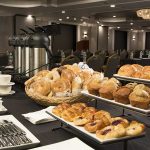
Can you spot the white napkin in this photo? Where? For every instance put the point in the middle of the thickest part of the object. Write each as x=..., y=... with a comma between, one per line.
x=71, y=144
x=39, y=117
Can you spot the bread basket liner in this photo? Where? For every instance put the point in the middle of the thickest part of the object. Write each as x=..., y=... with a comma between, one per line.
x=48, y=101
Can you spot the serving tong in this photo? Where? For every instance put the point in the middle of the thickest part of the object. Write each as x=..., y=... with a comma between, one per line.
x=12, y=135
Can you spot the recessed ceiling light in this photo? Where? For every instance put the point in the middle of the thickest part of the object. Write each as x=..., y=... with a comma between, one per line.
x=74, y=19
x=131, y=23
x=118, y=27
x=98, y=22
x=60, y=19
x=63, y=11
x=114, y=16
x=112, y=5
x=67, y=17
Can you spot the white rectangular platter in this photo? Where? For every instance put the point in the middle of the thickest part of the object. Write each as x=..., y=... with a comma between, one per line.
x=127, y=106
x=131, y=79
x=91, y=136
x=74, y=144
x=34, y=140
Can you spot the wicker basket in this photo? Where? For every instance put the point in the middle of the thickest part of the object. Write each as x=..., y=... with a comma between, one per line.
x=47, y=101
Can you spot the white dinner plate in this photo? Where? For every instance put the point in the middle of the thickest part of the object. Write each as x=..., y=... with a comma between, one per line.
x=9, y=84
x=10, y=93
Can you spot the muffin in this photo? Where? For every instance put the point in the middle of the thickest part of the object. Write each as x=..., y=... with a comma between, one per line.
x=140, y=98
x=121, y=95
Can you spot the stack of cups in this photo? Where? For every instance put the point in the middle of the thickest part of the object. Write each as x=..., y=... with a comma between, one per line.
x=5, y=84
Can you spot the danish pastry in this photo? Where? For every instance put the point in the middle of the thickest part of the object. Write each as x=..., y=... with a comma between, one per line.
x=94, y=126
x=111, y=132
x=135, y=128
x=118, y=120
x=80, y=121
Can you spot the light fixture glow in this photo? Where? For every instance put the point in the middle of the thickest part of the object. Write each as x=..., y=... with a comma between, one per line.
x=112, y=5
x=60, y=19
x=131, y=23
x=67, y=17
x=114, y=16
x=98, y=22
x=131, y=29
x=74, y=19
x=63, y=11
x=29, y=17
x=118, y=27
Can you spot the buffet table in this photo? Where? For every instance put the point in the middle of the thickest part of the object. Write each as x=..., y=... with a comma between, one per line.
x=19, y=103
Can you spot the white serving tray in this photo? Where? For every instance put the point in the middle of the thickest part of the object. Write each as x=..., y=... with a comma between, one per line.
x=138, y=80
x=127, y=106
x=92, y=136
x=34, y=140
x=74, y=144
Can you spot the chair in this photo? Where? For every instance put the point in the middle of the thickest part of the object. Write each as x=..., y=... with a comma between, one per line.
x=112, y=65
x=70, y=60
x=96, y=62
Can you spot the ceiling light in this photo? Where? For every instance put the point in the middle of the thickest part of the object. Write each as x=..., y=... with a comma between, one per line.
x=131, y=23
x=74, y=19
x=63, y=11
x=118, y=27
x=112, y=5
x=67, y=17
x=101, y=25
x=98, y=22
x=114, y=16
x=60, y=19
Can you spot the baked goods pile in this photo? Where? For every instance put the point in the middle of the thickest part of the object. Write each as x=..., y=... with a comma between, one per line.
x=138, y=95
x=135, y=71
x=98, y=122
x=65, y=81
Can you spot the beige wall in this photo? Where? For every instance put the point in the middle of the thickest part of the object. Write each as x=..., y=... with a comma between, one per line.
x=136, y=40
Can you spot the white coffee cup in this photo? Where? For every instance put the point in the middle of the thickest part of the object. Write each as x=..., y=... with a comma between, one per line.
x=5, y=89
x=5, y=79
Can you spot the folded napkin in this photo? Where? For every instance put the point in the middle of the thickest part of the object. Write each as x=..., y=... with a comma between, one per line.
x=71, y=144
x=39, y=117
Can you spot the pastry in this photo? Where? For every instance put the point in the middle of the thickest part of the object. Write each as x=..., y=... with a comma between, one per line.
x=140, y=98
x=142, y=87
x=137, y=67
x=76, y=86
x=121, y=95
x=131, y=85
x=67, y=74
x=80, y=121
x=53, y=75
x=60, y=108
x=118, y=120
x=104, y=116
x=40, y=87
x=61, y=87
x=135, y=128
x=126, y=70
x=94, y=126
x=69, y=114
x=107, y=89
x=90, y=109
x=111, y=132
x=145, y=73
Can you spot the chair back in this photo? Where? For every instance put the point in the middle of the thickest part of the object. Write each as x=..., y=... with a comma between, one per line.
x=96, y=62
x=70, y=60
x=113, y=63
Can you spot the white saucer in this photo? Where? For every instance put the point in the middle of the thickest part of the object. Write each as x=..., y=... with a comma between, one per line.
x=10, y=93
x=9, y=84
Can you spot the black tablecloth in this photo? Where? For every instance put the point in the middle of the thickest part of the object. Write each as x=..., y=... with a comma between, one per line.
x=19, y=103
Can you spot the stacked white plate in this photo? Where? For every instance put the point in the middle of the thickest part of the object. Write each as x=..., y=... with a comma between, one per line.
x=6, y=85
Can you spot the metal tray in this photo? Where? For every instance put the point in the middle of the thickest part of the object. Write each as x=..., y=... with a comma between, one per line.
x=91, y=136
